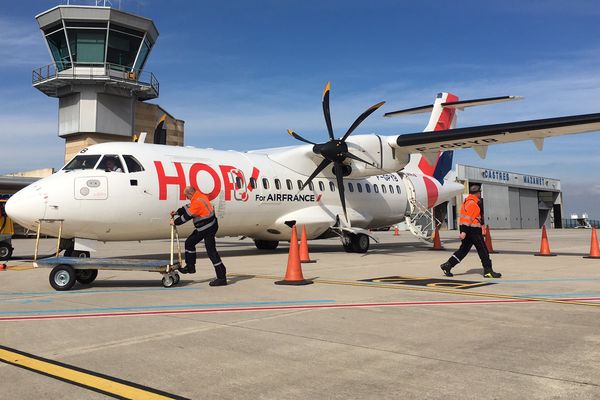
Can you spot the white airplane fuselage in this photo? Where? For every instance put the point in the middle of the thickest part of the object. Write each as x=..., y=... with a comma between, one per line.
x=253, y=195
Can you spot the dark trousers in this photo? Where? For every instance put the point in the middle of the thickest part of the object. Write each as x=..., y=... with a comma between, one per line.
x=208, y=235
x=474, y=238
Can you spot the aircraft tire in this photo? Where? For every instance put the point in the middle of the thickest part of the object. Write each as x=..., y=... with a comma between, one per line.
x=86, y=276
x=62, y=277
x=360, y=243
x=348, y=247
x=266, y=244
x=5, y=251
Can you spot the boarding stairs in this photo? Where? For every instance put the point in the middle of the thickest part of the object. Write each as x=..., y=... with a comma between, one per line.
x=419, y=219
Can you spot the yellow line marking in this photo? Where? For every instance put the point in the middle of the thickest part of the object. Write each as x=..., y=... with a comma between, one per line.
x=105, y=385
x=19, y=267
x=436, y=290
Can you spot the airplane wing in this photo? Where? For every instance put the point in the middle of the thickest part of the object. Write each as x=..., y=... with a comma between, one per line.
x=479, y=137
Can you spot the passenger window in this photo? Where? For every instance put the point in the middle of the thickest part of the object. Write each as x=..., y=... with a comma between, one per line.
x=133, y=165
x=277, y=184
x=350, y=187
x=311, y=186
x=359, y=187
x=368, y=187
x=391, y=189
x=321, y=186
x=332, y=186
x=376, y=188
x=288, y=183
x=82, y=162
x=252, y=183
x=110, y=163
x=398, y=189
x=382, y=188
x=265, y=183
x=300, y=184
x=238, y=182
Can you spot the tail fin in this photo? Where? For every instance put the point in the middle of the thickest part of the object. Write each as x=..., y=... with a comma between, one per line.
x=441, y=118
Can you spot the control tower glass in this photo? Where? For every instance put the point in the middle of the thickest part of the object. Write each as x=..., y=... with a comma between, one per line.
x=95, y=43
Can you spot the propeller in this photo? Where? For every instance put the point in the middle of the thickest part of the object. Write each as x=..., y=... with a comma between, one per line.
x=335, y=151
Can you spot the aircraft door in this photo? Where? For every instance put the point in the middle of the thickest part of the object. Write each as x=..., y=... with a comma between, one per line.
x=240, y=190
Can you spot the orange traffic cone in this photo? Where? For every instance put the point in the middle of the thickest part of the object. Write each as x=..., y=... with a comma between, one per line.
x=545, y=246
x=437, y=243
x=594, y=249
x=304, y=256
x=488, y=240
x=3, y=267
x=396, y=231
x=293, y=274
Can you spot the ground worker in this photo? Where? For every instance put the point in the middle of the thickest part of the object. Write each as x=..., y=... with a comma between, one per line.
x=470, y=222
x=205, y=222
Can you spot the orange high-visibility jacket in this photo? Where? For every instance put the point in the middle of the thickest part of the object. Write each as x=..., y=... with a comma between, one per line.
x=470, y=213
x=200, y=205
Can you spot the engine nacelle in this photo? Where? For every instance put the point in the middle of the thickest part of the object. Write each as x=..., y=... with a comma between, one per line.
x=375, y=149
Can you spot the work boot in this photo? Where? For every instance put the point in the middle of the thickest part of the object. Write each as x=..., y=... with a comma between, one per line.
x=446, y=267
x=218, y=282
x=188, y=270
x=491, y=274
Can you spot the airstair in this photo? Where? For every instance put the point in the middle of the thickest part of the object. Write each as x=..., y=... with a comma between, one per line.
x=419, y=219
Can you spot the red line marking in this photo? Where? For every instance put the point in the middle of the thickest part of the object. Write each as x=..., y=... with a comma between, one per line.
x=275, y=308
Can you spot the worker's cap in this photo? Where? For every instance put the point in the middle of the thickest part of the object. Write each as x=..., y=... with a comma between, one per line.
x=474, y=188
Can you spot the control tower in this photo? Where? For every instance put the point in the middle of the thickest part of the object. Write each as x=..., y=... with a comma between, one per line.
x=98, y=76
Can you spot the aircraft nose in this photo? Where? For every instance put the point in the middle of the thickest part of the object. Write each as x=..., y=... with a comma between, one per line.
x=26, y=206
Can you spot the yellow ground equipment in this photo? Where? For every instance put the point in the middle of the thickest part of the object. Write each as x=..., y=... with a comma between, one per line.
x=7, y=231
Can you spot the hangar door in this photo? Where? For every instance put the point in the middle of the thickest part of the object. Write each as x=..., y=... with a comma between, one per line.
x=514, y=203
x=528, y=202
x=496, y=205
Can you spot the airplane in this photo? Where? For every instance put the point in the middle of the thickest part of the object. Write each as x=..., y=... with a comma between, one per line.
x=342, y=187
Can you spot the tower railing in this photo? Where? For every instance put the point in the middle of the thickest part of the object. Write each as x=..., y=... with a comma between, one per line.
x=97, y=71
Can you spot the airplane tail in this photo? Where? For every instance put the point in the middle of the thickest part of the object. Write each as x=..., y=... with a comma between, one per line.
x=441, y=118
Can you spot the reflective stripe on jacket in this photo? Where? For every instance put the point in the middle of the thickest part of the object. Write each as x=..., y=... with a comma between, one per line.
x=470, y=213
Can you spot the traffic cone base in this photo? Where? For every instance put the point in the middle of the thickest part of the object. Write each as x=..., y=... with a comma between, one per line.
x=293, y=273
x=294, y=283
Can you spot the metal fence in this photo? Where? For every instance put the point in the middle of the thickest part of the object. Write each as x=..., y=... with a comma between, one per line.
x=94, y=71
x=580, y=223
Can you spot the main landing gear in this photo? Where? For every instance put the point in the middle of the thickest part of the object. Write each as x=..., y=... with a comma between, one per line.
x=355, y=242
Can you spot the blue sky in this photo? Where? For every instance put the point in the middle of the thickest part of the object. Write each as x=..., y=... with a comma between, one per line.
x=240, y=73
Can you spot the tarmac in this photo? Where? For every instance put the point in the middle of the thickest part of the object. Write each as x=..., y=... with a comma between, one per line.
x=382, y=325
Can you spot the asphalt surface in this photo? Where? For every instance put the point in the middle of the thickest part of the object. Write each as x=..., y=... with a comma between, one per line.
x=381, y=325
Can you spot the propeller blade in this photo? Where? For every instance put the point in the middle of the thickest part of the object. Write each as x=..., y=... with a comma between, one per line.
x=316, y=172
x=326, y=112
x=296, y=136
x=357, y=158
x=361, y=118
x=339, y=175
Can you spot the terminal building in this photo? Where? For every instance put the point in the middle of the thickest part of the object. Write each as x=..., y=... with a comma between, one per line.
x=511, y=200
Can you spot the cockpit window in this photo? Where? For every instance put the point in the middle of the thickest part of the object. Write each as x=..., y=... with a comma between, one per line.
x=82, y=162
x=133, y=165
x=110, y=163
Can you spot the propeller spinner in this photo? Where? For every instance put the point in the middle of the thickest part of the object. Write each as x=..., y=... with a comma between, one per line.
x=335, y=150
